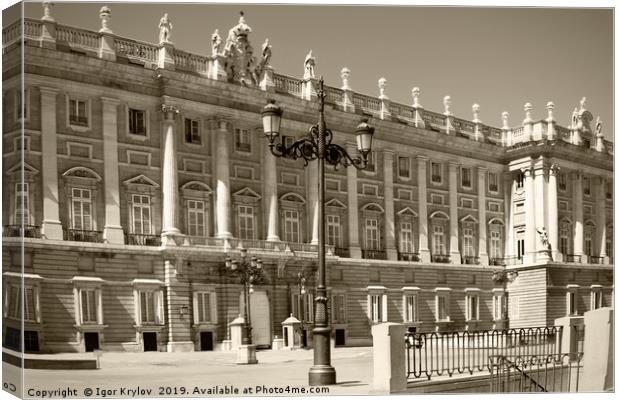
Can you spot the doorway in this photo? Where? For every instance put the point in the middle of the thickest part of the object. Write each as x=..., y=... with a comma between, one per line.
x=91, y=341
x=340, y=337
x=206, y=341
x=149, y=339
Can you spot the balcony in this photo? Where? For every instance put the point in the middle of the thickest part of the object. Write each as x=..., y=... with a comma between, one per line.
x=596, y=260
x=27, y=231
x=81, y=235
x=142, y=240
x=342, y=252
x=374, y=254
x=440, y=258
x=402, y=256
x=470, y=260
x=78, y=120
x=497, y=261
x=572, y=258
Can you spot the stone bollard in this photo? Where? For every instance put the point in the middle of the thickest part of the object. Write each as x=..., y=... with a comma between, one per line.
x=389, y=358
x=598, y=351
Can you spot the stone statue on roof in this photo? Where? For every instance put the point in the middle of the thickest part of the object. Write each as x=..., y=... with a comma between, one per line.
x=165, y=29
x=575, y=118
x=240, y=63
x=216, y=43
x=582, y=104
x=599, y=127
x=309, y=64
x=266, y=56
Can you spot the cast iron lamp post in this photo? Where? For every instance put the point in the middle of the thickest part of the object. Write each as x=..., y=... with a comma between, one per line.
x=249, y=273
x=317, y=145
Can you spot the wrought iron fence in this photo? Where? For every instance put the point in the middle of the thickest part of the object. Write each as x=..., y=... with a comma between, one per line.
x=572, y=258
x=143, y=240
x=342, y=252
x=535, y=373
x=374, y=254
x=470, y=260
x=402, y=256
x=81, y=235
x=28, y=231
x=440, y=258
x=448, y=353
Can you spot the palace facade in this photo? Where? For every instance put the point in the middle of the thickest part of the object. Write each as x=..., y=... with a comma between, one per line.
x=132, y=170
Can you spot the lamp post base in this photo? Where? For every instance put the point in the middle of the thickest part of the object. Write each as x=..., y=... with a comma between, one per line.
x=321, y=375
x=246, y=354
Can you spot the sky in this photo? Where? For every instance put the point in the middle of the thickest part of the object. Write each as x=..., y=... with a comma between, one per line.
x=500, y=58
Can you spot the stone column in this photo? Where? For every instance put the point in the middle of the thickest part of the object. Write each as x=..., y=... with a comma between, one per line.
x=270, y=188
x=578, y=214
x=388, y=189
x=423, y=250
x=530, y=217
x=112, y=231
x=540, y=197
x=354, y=243
x=313, y=199
x=483, y=255
x=51, y=227
x=170, y=180
x=552, y=217
x=222, y=178
x=455, y=254
x=601, y=219
x=510, y=186
x=528, y=122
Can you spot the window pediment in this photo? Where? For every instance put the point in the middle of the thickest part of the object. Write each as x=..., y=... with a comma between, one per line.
x=246, y=195
x=293, y=198
x=196, y=189
x=407, y=212
x=468, y=219
x=335, y=203
x=17, y=168
x=439, y=215
x=373, y=207
x=141, y=180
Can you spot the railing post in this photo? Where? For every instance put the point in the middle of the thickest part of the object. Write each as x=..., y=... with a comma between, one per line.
x=106, y=40
x=389, y=358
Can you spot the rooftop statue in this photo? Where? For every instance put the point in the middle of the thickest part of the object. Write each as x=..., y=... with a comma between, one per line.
x=309, y=64
x=165, y=28
x=216, y=43
x=240, y=63
x=266, y=56
x=447, y=104
x=599, y=127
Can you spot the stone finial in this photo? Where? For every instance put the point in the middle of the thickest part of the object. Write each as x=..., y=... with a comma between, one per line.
x=599, y=127
x=447, y=104
x=476, y=110
x=216, y=43
x=574, y=120
x=165, y=29
x=582, y=105
x=382, y=83
x=528, y=111
x=104, y=15
x=505, y=115
x=47, y=11
x=550, y=107
x=309, y=64
x=345, y=73
x=415, y=92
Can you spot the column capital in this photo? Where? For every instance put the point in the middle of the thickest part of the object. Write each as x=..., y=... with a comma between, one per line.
x=554, y=169
x=576, y=174
x=421, y=158
x=388, y=153
x=482, y=168
x=527, y=171
x=109, y=100
x=47, y=90
x=169, y=111
x=452, y=165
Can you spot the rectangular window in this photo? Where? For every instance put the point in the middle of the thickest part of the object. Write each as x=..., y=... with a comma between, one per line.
x=196, y=218
x=498, y=306
x=148, y=307
x=137, y=122
x=404, y=194
x=333, y=230
x=442, y=311
x=494, y=207
x=376, y=308
x=406, y=237
x=338, y=309
x=81, y=209
x=564, y=238
x=411, y=308
x=520, y=180
x=246, y=222
x=192, y=131
x=467, y=203
x=88, y=298
x=586, y=186
x=243, y=140
x=22, y=108
x=520, y=237
x=571, y=303
x=493, y=182
x=78, y=112
x=587, y=239
x=22, y=215
x=204, y=306
x=291, y=226
x=468, y=242
x=14, y=306
x=372, y=234
x=332, y=185
x=471, y=310
x=436, y=173
x=496, y=244
x=372, y=162
x=141, y=214
x=562, y=181
x=596, y=299
x=466, y=178
x=439, y=243
x=403, y=167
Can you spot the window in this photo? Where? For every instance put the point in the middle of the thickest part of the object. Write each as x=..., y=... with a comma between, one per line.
x=242, y=140
x=439, y=242
x=468, y=241
x=403, y=167
x=22, y=215
x=138, y=157
x=22, y=109
x=14, y=299
x=81, y=209
x=565, y=237
x=137, y=122
x=370, y=190
x=436, y=173
x=205, y=307
x=493, y=182
x=376, y=308
x=499, y=303
x=88, y=306
x=141, y=214
x=372, y=163
x=410, y=307
x=471, y=307
x=78, y=112
x=333, y=230
x=586, y=186
x=442, y=312
x=496, y=244
x=372, y=234
x=289, y=179
x=562, y=181
x=246, y=222
x=494, y=207
x=520, y=180
x=587, y=238
x=571, y=302
x=305, y=301
x=520, y=237
x=196, y=217
x=291, y=226
x=519, y=208
x=514, y=302
x=150, y=306
x=466, y=178
x=338, y=309
x=192, y=131
x=596, y=298
x=406, y=237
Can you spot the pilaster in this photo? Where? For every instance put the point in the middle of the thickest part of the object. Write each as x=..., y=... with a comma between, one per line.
x=530, y=217
x=601, y=219
x=388, y=189
x=112, y=231
x=354, y=243
x=510, y=186
x=270, y=189
x=222, y=178
x=455, y=254
x=423, y=250
x=541, y=212
x=552, y=217
x=170, y=178
x=577, y=177
x=482, y=216
x=51, y=227
x=166, y=56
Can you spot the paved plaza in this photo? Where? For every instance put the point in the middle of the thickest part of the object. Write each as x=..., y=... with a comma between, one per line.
x=170, y=374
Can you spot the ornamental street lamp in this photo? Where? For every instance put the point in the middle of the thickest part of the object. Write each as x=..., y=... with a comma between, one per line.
x=317, y=145
x=249, y=273
x=303, y=277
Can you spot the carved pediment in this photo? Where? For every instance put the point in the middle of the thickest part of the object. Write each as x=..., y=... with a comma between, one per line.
x=373, y=207
x=248, y=193
x=197, y=186
x=17, y=168
x=82, y=172
x=468, y=218
x=407, y=211
x=141, y=180
x=439, y=215
x=293, y=197
x=335, y=203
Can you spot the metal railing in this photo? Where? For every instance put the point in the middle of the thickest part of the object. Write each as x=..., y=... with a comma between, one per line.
x=546, y=373
x=342, y=252
x=27, y=231
x=82, y=235
x=470, y=260
x=449, y=353
x=572, y=258
x=596, y=260
x=142, y=240
x=403, y=256
x=374, y=254
x=440, y=258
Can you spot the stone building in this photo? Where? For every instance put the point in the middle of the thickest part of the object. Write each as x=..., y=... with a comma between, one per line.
x=144, y=167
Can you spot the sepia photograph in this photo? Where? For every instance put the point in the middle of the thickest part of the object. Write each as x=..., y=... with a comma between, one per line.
x=317, y=199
